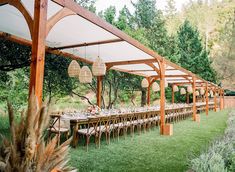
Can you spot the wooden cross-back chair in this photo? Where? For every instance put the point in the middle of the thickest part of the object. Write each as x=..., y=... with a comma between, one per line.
x=92, y=129
x=105, y=127
x=58, y=126
x=122, y=125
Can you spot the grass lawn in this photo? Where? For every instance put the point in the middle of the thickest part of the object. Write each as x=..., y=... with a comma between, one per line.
x=150, y=151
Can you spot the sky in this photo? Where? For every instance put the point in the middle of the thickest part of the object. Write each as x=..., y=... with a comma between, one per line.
x=119, y=4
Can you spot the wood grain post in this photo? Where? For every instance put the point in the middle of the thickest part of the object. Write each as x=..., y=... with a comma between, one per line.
x=215, y=100
x=38, y=49
x=207, y=99
x=148, y=92
x=162, y=94
x=99, y=91
x=194, y=99
x=173, y=95
x=187, y=97
x=221, y=103
x=223, y=100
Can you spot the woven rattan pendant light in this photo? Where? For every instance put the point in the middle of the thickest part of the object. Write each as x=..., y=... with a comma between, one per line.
x=155, y=87
x=85, y=75
x=202, y=91
x=99, y=67
x=190, y=89
x=74, y=69
x=182, y=91
x=175, y=88
x=197, y=93
x=145, y=83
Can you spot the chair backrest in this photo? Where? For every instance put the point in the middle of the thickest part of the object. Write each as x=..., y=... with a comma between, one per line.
x=123, y=118
x=93, y=124
x=105, y=123
x=114, y=119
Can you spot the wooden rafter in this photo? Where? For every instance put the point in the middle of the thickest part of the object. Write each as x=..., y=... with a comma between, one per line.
x=129, y=62
x=87, y=44
x=48, y=50
x=133, y=71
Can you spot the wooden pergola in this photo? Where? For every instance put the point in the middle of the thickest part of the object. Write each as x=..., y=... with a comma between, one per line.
x=64, y=28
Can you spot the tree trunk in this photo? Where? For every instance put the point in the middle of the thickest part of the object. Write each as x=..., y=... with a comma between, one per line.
x=143, y=98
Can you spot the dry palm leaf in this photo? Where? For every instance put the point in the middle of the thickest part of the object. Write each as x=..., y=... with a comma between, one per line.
x=27, y=151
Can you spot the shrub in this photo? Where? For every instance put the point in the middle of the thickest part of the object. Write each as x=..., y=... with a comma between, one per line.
x=220, y=157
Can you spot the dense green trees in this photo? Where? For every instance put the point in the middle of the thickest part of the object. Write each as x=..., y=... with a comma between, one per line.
x=192, y=54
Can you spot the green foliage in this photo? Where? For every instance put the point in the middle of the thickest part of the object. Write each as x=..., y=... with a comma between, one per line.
x=109, y=14
x=15, y=88
x=220, y=155
x=145, y=12
x=56, y=79
x=88, y=4
x=192, y=55
x=157, y=34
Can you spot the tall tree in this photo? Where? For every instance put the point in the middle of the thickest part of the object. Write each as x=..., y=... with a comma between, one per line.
x=125, y=19
x=157, y=34
x=170, y=9
x=110, y=14
x=192, y=55
x=224, y=53
x=145, y=11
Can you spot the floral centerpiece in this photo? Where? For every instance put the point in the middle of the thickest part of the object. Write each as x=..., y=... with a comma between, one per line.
x=94, y=110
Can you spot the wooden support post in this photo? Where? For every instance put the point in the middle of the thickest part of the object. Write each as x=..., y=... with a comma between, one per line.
x=99, y=91
x=162, y=97
x=194, y=99
x=38, y=49
x=215, y=101
x=203, y=98
x=148, y=92
x=173, y=95
x=207, y=99
x=187, y=97
x=221, y=101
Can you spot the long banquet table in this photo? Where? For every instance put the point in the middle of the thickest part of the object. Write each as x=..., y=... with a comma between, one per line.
x=173, y=113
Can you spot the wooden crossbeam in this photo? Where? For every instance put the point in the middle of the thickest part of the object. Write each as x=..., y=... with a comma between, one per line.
x=132, y=71
x=154, y=67
x=129, y=62
x=86, y=44
x=172, y=76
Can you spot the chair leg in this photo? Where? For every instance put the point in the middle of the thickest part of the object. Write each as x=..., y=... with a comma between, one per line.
x=87, y=142
x=99, y=138
x=118, y=132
